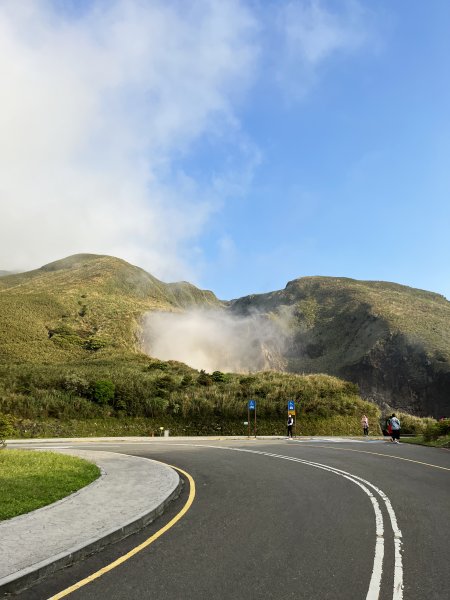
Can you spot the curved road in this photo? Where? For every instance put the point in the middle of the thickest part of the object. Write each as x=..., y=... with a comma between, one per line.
x=285, y=519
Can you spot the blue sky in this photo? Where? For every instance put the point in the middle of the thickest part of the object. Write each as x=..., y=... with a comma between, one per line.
x=237, y=145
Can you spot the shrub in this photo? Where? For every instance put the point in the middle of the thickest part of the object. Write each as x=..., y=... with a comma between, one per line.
x=24, y=384
x=6, y=426
x=414, y=425
x=443, y=427
x=94, y=344
x=65, y=336
x=203, y=378
x=158, y=364
x=436, y=430
x=165, y=383
x=103, y=391
x=75, y=384
x=187, y=380
x=219, y=377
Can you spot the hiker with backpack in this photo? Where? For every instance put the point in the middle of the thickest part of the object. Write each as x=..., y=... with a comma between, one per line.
x=395, y=428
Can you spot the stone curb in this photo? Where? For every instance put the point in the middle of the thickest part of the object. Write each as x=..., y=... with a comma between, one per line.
x=24, y=578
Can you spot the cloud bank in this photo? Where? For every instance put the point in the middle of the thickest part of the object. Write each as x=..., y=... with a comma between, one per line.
x=100, y=102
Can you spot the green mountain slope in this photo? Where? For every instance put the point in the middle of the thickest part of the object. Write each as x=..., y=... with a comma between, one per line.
x=75, y=306
x=392, y=340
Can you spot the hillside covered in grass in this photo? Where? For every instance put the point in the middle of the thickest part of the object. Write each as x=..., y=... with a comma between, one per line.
x=392, y=340
x=70, y=308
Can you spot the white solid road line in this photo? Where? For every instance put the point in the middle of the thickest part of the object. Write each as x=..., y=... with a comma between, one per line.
x=375, y=581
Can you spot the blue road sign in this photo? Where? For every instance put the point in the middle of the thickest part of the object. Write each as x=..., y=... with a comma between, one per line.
x=291, y=405
x=252, y=404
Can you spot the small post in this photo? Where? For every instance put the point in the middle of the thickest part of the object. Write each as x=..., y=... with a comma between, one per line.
x=251, y=406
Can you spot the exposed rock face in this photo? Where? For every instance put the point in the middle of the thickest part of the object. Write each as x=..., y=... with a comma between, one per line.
x=401, y=375
x=393, y=341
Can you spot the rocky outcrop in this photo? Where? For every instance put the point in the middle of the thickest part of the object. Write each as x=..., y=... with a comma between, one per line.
x=398, y=374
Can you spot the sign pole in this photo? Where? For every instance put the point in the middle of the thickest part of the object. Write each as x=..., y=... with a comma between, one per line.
x=248, y=419
x=255, y=420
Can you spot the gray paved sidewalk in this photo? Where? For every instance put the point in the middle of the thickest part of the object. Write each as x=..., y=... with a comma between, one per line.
x=130, y=493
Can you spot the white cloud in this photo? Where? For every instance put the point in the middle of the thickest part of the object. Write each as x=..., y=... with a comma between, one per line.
x=312, y=34
x=95, y=109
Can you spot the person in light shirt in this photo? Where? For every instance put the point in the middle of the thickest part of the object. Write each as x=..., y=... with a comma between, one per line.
x=365, y=424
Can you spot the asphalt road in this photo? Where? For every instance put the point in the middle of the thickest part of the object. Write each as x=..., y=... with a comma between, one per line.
x=286, y=519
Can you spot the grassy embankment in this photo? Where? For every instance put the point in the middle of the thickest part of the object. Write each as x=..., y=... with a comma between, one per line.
x=31, y=480
x=441, y=442
x=434, y=434
x=136, y=395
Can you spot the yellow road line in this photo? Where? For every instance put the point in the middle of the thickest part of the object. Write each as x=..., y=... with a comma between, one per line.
x=379, y=454
x=137, y=549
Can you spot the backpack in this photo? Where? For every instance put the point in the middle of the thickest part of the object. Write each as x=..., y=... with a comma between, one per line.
x=395, y=423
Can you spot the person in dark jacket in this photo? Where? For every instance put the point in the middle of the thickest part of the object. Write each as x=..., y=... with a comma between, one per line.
x=290, y=424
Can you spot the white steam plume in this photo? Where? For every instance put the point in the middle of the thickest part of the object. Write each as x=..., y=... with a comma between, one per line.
x=214, y=340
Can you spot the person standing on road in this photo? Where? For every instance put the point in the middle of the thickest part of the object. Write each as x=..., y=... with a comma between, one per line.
x=290, y=424
x=365, y=425
x=389, y=428
x=395, y=425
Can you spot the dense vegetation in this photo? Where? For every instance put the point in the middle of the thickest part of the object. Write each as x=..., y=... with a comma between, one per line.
x=138, y=395
x=434, y=433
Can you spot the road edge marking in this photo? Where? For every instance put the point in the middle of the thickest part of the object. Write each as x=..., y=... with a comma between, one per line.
x=136, y=549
